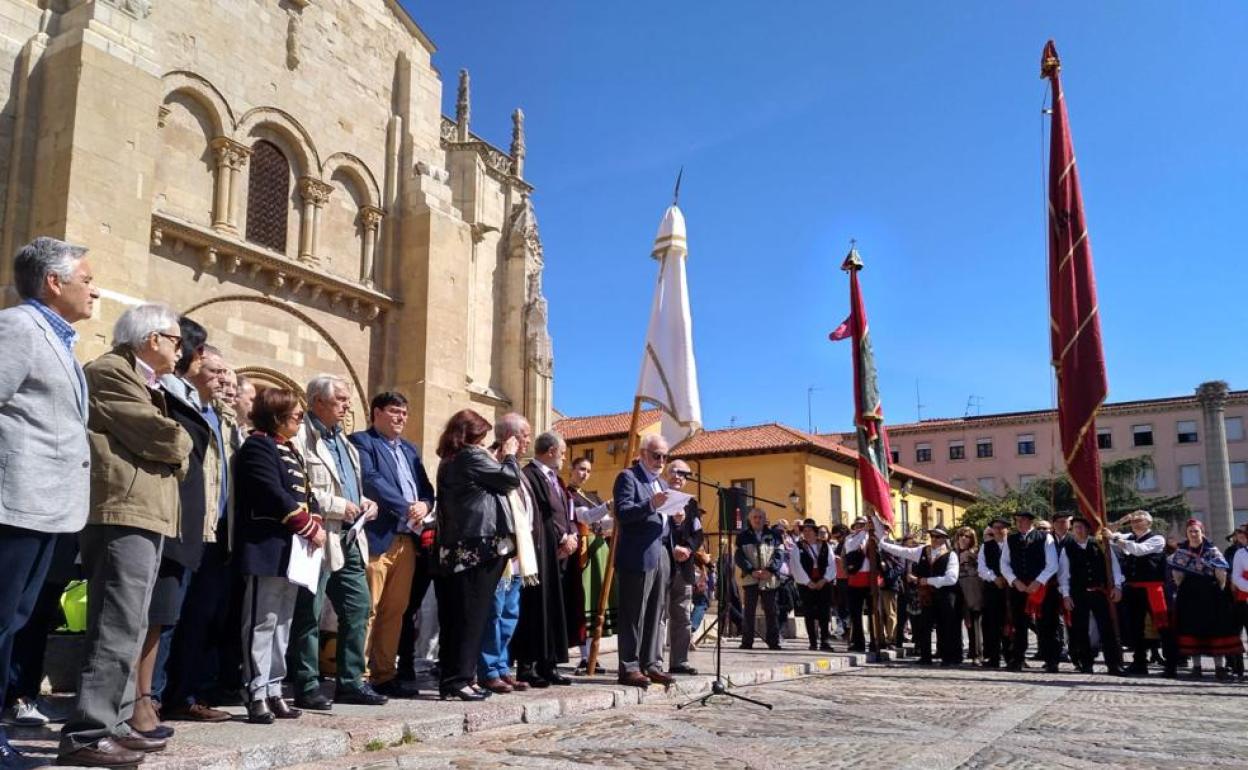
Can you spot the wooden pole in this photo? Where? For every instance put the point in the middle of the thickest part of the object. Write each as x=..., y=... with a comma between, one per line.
x=609, y=575
x=877, y=623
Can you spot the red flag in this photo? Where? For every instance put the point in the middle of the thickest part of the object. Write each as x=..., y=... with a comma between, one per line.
x=1074, y=325
x=873, y=454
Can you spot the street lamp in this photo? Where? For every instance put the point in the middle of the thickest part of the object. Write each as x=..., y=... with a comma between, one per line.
x=795, y=501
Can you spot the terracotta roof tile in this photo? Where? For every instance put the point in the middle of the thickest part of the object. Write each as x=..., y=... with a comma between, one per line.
x=601, y=426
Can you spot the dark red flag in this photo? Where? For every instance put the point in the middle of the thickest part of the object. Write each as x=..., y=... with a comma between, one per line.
x=873, y=456
x=1074, y=324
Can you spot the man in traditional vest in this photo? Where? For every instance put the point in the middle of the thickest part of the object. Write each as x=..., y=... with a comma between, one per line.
x=1029, y=564
x=936, y=569
x=858, y=578
x=1143, y=557
x=814, y=567
x=996, y=593
x=1088, y=591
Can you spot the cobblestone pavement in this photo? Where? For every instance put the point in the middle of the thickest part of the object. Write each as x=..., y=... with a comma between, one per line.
x=883, y=717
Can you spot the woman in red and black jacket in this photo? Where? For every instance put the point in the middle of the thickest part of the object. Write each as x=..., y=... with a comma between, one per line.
x=272, y=503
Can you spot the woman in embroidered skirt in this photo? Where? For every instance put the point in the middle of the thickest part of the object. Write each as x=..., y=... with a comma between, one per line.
x=1203, y=610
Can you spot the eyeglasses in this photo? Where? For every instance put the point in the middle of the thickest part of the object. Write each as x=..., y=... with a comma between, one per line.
x=657, y=455
x=174, y=338
x=295, y=416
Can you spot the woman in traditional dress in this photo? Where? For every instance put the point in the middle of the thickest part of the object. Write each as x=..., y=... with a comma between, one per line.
x=1203, y=610
x=591, y=560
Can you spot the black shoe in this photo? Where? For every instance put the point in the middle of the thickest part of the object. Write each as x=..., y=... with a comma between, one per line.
x=582, y=669
x=258, y=713
x=463, y=693
x=392, y=689
x=283, y=710
x=364, y=695
x=534, y=681
x=1014, y=666
x=774, y=646
x=826, y=647
x=683, y=668
x=744, y=646
x=991, y=664
x=814, y=647
x=1050, y=668
x=1138, y=669
x=924, y=660
x=1171, y=672
x=314, y=701
x=554, y=677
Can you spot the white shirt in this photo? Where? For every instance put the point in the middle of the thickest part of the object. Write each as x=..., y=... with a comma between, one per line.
x=1145, y=548
x=915, y=555
x=795, y=563
x=1238, y=567
x=1063, y=568
x=856, y=542
x=1050, y=562
x=981, y=564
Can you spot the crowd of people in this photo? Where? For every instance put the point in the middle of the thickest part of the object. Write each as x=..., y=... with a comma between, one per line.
x=237, y=544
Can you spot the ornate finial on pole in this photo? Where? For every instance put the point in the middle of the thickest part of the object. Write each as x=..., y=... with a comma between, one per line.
x=1050, y=65
x=676, y=192
x=517, y=143
x=463, y=107
x=853, y=261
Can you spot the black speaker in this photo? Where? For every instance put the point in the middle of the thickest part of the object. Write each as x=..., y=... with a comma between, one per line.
x=734, y=504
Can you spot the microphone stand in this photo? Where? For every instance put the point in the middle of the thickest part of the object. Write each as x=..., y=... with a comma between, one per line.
x=719, y=686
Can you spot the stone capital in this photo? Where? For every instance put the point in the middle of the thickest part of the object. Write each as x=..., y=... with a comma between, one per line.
x=229, y=152
x=371, y=216
x=314, y=191
x=1212, y=395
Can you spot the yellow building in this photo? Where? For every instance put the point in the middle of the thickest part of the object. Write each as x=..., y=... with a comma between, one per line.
x=772, y=461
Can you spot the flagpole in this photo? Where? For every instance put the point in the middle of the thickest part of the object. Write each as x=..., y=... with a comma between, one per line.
x=604, y=593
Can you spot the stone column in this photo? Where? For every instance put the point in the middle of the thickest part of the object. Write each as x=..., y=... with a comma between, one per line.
x=314, y=193
x=230, y=156
x=370, y=221
x=1212, y=397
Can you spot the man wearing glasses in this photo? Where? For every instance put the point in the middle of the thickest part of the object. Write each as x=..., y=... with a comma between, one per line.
x=643, y=565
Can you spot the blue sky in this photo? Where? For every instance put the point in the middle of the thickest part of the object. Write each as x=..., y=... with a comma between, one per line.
x=914, y=128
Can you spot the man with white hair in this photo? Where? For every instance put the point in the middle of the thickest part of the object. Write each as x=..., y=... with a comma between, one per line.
x=1142, y=555
x=334, y=476
x=643, y=564
x=43, y=437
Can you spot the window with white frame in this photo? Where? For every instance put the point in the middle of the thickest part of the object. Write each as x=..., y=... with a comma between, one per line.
x=1186, y=430
x=1147, y=480
x=1234, y=428
x=957, y=450
x=1189, y=476
x=923, y=453
x=1142, y=435
x=983, y=447
x=1239, y=474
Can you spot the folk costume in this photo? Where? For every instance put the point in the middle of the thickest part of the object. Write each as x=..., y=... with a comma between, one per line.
x=1032, y=558
x=592, y=567
x=813, y=564
x=858, y=580
x=1081, y=578
x=1143, y=560
x=996, y=599
x=1204, y=614
x=938, y=598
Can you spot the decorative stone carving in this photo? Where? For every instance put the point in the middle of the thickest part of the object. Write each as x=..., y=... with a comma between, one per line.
x=435, y=173
x=209, y=260
x=139, y=9
x=523, y=239
x=448, y=130
x=463, y=107
x=162, y=116
x=158, y=236
x=234, y=264
x=278, y=280
x=314, y=191
x=517, y=143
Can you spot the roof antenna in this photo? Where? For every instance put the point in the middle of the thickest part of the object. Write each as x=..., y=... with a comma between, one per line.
x=676, y=192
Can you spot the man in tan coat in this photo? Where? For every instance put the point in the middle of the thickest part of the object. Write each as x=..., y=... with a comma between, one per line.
x=137, y=456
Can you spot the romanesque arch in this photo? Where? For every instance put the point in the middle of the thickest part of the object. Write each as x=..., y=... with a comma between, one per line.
x=352, y=166
x=203, y=91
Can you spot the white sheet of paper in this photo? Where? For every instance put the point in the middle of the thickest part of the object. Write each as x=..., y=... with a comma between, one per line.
x=305, y=563
x=675, y=502
x=592, y=515
x=354, y=532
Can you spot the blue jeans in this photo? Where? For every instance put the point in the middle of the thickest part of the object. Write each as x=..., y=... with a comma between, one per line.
x=500, y=625
x=700, y=603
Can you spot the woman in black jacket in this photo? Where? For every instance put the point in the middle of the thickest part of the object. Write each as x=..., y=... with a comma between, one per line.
x=474, y=539
x=272, y=503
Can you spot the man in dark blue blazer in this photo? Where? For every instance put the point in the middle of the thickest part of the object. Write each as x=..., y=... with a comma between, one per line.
x=393, y=476
x=642, y=564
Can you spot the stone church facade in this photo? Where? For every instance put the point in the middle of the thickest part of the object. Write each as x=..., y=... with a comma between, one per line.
x=280, y=170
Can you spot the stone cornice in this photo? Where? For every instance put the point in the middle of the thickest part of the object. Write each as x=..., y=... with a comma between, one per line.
x=497, y=163
x=220, y=251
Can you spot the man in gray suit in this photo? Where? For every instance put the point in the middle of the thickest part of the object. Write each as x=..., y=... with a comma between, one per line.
x=44, y=457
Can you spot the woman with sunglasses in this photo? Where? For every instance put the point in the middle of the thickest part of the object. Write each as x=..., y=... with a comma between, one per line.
x=272, y=503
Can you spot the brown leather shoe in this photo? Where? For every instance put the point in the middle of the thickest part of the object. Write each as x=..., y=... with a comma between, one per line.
x=658, y=677
x=497, y=686
x=104, y=753
x=635, y=679
x=514, y=683
x=194, y=712
x=136, y=742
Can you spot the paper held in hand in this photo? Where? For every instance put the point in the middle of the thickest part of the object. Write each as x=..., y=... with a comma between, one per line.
x=676, y=501
x=305, y=563
x=354, y=532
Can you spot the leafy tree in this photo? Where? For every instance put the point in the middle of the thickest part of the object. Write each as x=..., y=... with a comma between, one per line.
x=1050, y=494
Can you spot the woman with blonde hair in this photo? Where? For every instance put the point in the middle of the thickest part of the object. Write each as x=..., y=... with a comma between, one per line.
x=970, y=588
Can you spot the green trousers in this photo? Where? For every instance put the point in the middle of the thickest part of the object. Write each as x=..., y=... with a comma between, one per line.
x=347, y=590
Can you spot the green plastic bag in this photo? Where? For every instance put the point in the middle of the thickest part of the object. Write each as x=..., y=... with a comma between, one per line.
x=74, y=605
